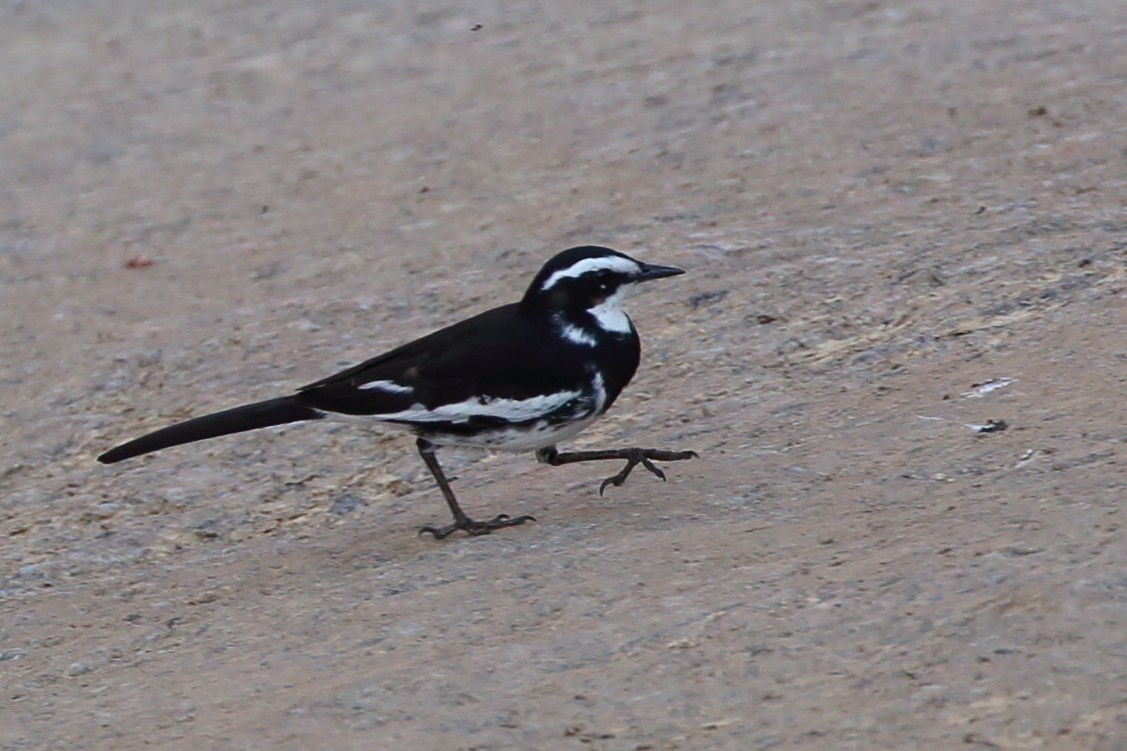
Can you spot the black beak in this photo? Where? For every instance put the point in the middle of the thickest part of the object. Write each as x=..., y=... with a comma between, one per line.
x=653, y=271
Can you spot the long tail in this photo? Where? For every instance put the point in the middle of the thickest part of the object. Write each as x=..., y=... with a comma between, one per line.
x=237, y=420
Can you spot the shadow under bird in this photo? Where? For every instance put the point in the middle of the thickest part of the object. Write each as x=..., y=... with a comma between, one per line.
x=521, y=377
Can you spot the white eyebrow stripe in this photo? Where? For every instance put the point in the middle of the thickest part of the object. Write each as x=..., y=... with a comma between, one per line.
x=602, y=263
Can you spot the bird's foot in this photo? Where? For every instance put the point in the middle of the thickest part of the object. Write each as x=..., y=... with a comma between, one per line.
x=476, y=528
x=645, y=457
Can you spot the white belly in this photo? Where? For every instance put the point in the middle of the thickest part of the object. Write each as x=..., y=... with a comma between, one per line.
x=530, y=438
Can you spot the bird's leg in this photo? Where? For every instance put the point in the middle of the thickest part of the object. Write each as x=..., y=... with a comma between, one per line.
x=461, y=521
x=633, y=457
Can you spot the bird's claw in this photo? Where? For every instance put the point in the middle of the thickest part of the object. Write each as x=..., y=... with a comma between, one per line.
x=475, y=528
x=653, y=468
x=616, y=481
x=642, y=456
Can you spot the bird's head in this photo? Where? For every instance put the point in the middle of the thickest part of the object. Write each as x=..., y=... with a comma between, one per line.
x=591, y=280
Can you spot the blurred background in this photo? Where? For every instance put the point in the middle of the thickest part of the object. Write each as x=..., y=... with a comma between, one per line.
x=901, y=220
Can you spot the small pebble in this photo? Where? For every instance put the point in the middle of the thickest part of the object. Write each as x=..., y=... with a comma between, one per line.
x=79, y=668
x=346, y=503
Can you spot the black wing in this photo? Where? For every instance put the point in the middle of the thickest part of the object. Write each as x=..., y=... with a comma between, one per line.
x=500, y=353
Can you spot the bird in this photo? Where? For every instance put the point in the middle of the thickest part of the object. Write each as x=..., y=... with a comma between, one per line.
x=524, y=376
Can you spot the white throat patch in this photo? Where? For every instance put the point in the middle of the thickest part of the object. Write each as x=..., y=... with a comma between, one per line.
x=579, y=268
x=609, y=314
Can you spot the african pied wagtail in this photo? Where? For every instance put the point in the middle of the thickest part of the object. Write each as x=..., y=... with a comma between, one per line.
x=520, y=377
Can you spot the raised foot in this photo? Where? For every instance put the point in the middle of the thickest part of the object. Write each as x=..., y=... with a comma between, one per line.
x=645, y=457
x=476, y=528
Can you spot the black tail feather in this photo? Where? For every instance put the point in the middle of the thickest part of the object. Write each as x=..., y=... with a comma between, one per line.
x=247, y=417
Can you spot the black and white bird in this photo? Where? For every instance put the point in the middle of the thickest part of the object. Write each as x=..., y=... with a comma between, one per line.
x=521, y=377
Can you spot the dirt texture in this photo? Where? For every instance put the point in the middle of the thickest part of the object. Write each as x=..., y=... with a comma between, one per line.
x=904, y=228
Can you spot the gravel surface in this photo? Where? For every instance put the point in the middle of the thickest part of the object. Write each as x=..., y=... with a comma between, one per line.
x=900, y=349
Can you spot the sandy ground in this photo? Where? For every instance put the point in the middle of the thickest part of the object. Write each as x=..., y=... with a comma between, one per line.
x=901, y=221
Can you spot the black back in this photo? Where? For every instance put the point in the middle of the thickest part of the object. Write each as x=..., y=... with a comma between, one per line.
x=510, y=352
